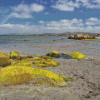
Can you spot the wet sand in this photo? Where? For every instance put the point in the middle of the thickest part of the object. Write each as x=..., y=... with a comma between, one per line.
x=85, y=72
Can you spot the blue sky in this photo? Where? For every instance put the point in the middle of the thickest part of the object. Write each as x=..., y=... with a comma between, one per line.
x=49, y=16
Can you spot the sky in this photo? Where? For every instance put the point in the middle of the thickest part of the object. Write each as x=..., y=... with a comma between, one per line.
x=49, y=16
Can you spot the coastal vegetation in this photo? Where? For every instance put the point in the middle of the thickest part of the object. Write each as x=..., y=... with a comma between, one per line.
x=15, y=55
x=20, y=70
x=55, y=54
x=77, y=55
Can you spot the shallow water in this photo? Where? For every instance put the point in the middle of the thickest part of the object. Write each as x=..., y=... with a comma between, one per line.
x=25, y=42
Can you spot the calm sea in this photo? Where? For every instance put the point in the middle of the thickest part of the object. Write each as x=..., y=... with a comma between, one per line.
x=23, y=42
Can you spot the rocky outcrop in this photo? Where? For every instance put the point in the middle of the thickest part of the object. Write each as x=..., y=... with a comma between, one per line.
x=82, y=36
x=55, y=54
x=77, y=55
x=15, y=55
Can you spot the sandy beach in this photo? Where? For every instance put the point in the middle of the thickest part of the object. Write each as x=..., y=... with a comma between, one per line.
x=85, y=72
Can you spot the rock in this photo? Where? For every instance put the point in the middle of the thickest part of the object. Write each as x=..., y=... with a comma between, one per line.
x=25, y=57
x=42, y=65
x=4, y=55
x=55, y=54
x=54, y=40
x=52, y=63
x=25, y=40
x=26, y=75
x=71, y=37
x=23, y=63
x=78, y=36
x=81, y=36
x=5, y=62
x=77, y=55
x=64, y=54
x=15, y=55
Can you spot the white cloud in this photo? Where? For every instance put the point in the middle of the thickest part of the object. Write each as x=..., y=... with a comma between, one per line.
x=93, y=21
x=65, y=5
x=22, y=15
x=25, y=11
x=36, y=8
x=46, y=13
x=64, y=25
x=42, y=22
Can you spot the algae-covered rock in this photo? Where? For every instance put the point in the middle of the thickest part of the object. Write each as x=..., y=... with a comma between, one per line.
x=5, y=62
x=64, y=53
x=46, y=57
x=4, y=55
x=77, y=55
x=15, y=55
x=25, y=57
x=55, y=54
x=23, y=63
x=42, y=65
x=46, y=63
x=16, y=75
x=52, y=63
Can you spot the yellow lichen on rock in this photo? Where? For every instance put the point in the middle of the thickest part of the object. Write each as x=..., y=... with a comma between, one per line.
x=4, y=55
x=23, y=63
x=16, y=75
x=55, y=54
x=15, y=55
x=29, y=59
x=77, y=55
x=52, y=63
x=64, y=53
x=5, y=62
x=41, y=65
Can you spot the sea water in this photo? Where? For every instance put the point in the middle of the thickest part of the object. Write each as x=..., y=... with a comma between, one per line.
x=25, y=41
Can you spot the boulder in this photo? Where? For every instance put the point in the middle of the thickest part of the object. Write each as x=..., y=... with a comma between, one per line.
x=78, y=36
x=77, y=55
x=17, y=75
x=23, y=63
x=64, y=54
x=55, y=54
x=71, y=37
x=15, y=55
x=5, y=62
x=81, y=36
x=4, y=55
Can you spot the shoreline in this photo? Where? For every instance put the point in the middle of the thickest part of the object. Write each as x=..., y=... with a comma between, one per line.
x=85, y=72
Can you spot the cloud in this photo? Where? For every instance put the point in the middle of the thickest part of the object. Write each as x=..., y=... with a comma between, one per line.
x=41, y=22
x=46, y=13
x=25, y=11
x=74, y=25
x=93, y=21
x=22, y=15
x=36, y=8
x=65, y=5
x=28, y=8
